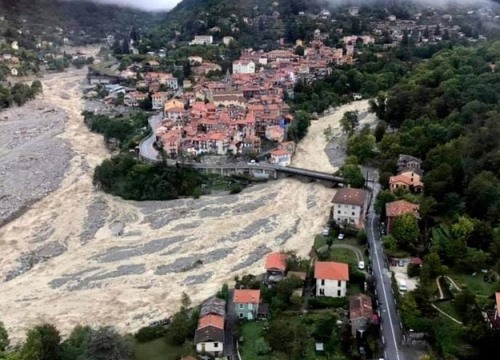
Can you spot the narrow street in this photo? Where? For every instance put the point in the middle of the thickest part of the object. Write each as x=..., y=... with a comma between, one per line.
x=390, y=326
x=229, y=328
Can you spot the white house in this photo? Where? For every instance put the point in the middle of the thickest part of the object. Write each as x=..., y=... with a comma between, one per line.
x=243, y=67
x=158, y=99
x=226, y=40
x=349, y=206
x=331, y=278
x=209, y=336
x=202, y=40
x=280, y=157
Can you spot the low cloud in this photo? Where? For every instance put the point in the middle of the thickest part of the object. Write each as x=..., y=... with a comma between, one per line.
x=427, y=2
x=149, y=5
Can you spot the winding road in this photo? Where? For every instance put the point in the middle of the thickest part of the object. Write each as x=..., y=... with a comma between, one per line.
x=146, y=148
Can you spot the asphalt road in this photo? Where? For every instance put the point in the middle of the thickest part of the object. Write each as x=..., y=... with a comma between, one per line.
x=146, y=148
x=390, y=323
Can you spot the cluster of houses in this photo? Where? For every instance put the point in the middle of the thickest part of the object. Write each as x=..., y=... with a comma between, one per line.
x=330, y=279
x=232, y=115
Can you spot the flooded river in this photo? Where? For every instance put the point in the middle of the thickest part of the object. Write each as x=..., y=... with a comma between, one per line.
x=81, y=256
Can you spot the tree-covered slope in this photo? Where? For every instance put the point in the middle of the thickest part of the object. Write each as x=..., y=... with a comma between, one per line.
x=78, y=19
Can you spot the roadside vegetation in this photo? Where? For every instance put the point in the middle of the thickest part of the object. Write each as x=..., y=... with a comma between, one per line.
x=446, y=112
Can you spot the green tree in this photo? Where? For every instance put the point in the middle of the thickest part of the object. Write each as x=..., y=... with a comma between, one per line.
x=431, y=268
x=405, y=230
x=349, y=122
x=223, y=293
x=352, y=175
x=147, y=103
x=280, y=336
x=299, y=50
x=301, y=122
x=75, y=345
x=4, y=338
x=383, y=197
x=178, y=330
x=105, y=343
x=42, y=343
x=482, y=195
x=361, y=145
x=379, y=131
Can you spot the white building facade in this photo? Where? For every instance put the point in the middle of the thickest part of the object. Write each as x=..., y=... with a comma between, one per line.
x=332, y=288
x=243, y=67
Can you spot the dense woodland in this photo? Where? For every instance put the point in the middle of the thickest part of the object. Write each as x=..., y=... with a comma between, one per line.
x=446, y=112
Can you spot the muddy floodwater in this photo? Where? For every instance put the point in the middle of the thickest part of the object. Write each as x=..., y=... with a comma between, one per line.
x=78, y=255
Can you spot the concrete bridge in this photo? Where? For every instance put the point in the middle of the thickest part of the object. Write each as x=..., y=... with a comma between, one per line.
x=269, y=172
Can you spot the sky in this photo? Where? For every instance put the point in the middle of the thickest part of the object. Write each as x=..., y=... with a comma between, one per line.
x=151, y=5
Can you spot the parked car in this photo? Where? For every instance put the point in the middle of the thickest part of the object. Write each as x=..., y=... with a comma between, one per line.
x=402, y=286
x=361, y=265
x=326, y=231
x=252, y=162
x=341, y=236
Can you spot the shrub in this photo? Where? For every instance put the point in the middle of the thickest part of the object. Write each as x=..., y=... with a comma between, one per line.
x=326, y=302
x=235, y=189
x=362, y=237
x=150, y=333
x=413, y=270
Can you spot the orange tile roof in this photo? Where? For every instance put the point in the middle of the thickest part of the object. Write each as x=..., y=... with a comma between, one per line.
x=497, y=297
x=276, y=260
x=406, y=177
x=401, y=207
x=246, y=296
x=279, y=152
x=211, y=320
x=330, y=270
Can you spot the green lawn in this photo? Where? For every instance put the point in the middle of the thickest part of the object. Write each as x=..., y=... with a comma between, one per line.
x=343, y=255
x=447, y=307
x=319, y=241
x=251, y=331
x=353, y=289
x=157, y=349
x=476, y=284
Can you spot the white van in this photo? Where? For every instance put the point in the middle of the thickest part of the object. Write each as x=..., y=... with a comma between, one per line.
x=402, y=286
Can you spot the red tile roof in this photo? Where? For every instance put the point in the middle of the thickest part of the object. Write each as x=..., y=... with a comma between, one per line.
x=330, y=270
x=246, y=296
x=401, y=207
x=497, y=297
x=211, y=320
x=349, y=196
x=276, y=260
